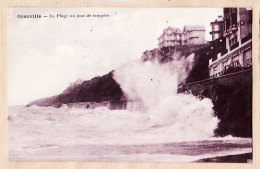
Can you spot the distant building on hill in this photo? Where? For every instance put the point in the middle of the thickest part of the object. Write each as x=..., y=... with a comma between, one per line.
x=194, y=34
x=171, y=37
x=237, y=34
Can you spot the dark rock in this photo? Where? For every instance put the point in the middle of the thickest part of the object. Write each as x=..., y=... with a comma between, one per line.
x=233, y=107
x=98, y=89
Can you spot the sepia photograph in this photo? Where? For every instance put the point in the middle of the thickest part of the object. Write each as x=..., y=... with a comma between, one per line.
x=130, y=84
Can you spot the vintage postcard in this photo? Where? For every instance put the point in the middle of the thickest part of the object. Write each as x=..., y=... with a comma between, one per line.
x=130, y=84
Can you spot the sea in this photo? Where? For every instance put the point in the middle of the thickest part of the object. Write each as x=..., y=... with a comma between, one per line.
x=159, y=125
x=77, y=134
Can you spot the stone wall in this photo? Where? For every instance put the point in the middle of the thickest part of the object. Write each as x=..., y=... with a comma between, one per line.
x=112, y=104
x=196, y=88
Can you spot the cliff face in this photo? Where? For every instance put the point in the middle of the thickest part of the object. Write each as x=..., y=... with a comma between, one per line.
x=231, y=96
x=199, y=69
x=233, y=107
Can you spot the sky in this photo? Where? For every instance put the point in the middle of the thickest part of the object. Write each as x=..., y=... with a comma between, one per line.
x=46, y=54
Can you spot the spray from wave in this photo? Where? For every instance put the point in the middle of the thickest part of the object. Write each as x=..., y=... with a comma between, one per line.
x=161, y=115
x=153, y=86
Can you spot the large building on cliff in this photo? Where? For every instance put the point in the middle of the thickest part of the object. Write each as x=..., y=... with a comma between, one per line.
x=191, y=34
x=171, y=37
x=237, y=34
x=194, y=34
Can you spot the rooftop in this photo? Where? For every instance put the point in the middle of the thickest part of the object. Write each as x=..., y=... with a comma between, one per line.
x=193, y=27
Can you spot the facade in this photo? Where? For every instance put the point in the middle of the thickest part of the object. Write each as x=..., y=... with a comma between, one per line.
x=194, y=34
x=238, y=36
x=217, y=28
x=171, y=37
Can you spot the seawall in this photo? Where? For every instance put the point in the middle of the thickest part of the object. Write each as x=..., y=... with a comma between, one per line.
x=111, y=104
x=231, y=96
x=197, y=88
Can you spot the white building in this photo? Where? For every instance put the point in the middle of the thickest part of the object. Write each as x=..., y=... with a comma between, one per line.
x=194, y=34
x=171, y=37
x=217, y=28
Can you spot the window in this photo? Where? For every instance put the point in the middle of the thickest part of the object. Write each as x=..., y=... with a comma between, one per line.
x=215, y=69
x=248, y=57
x=227, y=24
x=225, y=64
x=234, y=16
x=235, y=58
x=216, y=27
x=235, y=39
x=216, y=35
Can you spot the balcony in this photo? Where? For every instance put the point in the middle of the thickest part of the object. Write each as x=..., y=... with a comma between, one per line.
x=231, y=68
x=233, y=28
x=217, y=74
x=227, y=33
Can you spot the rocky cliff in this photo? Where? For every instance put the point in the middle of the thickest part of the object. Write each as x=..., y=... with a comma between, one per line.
x=233, y=107
x=231, y=96
x=95, y=90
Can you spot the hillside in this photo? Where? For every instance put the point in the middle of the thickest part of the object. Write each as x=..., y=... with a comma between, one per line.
x=95, y=90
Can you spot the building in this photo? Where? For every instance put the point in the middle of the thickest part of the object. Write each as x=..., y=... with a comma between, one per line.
x=217, y=28
x=171, y=37
x=238, y=36
x=194, y=34
x=218, y=43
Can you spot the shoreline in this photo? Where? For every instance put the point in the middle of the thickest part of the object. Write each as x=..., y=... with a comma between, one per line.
x=238, y=158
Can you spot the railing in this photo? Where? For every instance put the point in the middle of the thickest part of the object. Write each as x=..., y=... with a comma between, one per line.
x=217, y=74
x=243, y=76
x=233, y=28
x=226, y=68
x=232, y=65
